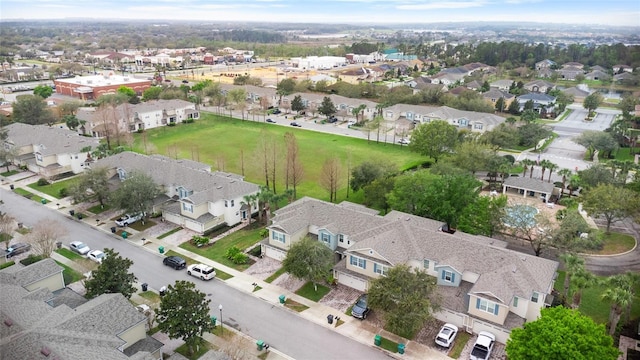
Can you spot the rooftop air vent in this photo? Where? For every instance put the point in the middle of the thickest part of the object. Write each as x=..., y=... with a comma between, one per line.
x=45, y=351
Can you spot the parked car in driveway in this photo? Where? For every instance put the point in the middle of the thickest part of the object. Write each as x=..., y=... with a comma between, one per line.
x=295, y=124
x=175, y=262
x=16, y=249
x=202, y=271
x=483, y=346
x=97, y=256
x=446, y=335
x=79, y=247
x=128, y=219
x=360, y=309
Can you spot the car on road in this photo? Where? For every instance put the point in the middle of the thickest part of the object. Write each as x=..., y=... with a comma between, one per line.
x=175, y=262
x=446, y=335
x=483, y=346
x=277, y=111
x=128, y=219
x=271, y=121
x=97, y=256
x=360, y=309
x=351, y=122
x=185, y=81
x=332, y=120
x=404, y=141
x=202, y=271
x=295, y=124
x=79, y=247
x=16, y=249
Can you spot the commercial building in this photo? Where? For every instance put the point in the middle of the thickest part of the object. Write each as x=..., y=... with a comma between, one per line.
x=92, y=87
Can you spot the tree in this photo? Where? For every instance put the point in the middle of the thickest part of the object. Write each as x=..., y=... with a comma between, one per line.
x=330, y=177
x=597, y=140
x=136, y=193
x=404, y=296
x=592, y=102
x=285, y=87
x=71, y=121
x=619, y=293
x=561, y=333
x=522, y=222
x=152, y=93
x=70, y=107
x=565, y=173
x=483, y=216
x=296, y=104
x=612, y=202
x=472, y=156
x=294, y=171
x=126, y=91
x=434, y=139
x=514, y=108
x=44, y=91
x=184, y=313
x=572, y=265
x=44, y=236
x=93, y=184
x=112, y=276
x=327, y=108
x=408, y=192
x=500, y=104
x=7, y=227
x=238, y=98
x=309, y=260
x=375, y=193
x=32, y=110
x=527, y=164
x=367, y=172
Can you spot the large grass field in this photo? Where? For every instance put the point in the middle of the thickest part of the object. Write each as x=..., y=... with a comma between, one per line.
x=231, y=145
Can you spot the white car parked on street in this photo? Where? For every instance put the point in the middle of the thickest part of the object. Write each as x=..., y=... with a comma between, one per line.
x=201, y=271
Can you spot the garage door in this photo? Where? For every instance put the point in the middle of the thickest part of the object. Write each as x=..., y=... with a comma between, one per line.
x=352, y=281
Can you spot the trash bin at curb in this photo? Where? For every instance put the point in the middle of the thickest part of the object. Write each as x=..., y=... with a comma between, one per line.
x=113, y=229
x=72, y=212
x=260, y=345
x=377, y=340
x=400, y=348
x=43, y=201
x=124, y=234
x=144, y=286
x=59, y=244
x=282, y=299
x=79, y=216
x=330, y=319
x=213, y=320
x=11, y=187
x=161, y=249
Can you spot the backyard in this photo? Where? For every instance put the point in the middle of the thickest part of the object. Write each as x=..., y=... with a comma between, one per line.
x=232, y=145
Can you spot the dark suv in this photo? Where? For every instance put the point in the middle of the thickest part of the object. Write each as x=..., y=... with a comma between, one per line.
x=175, y=262
x=17, y=248
x=361, y=309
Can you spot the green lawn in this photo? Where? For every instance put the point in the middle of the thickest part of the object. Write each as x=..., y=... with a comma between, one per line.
x=616, y=243
x=9, y=173
x=197, y=352
x=307, y=291
x=461, y=340
x=29, y=195
x=98, y=209
x=625, y=154
x=151, y=296
x=70, y=254
x=275, y=275
x=70, y=275
x=172, y=231
x=243, y=239
x=230, y=144
x=54, y=188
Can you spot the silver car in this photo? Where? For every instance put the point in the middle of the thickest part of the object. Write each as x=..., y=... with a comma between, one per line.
x=79, y=247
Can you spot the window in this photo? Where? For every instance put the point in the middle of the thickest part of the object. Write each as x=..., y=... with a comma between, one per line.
x=448, y=276
x=277, y=236
x=341, y=238
x=534, y=297
x=232, y=204
x=187, y=207
x=358, y=262
x=487, y=306
x=325, y=238
x=515, y=301
x=226, y=203
x=478, y=126
x=183, y=193
x=426, y=264
x=38, y=157
x=463, y=122
x=380, y=269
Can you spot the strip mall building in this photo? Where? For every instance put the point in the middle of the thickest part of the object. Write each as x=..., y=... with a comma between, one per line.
x=92, y=87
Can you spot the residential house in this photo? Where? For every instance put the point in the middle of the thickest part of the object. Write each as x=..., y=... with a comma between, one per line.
x=448, y=78
x=330, y=80
x=48, y=151
x=573, y=64
x=483, y=284
x=623, y=76
x=137, y=117
x=40, y=318
x=503, y=85
x=470, y=120
x=622, y=68
x=539, y=86
x=541, y=102
x=598, y=68
x=194, y=197
x=597, y=75
x=577, y=93
x=475, y=85
x=570, y=72
x=545, y=64
x=494, y=94
x=545, y=73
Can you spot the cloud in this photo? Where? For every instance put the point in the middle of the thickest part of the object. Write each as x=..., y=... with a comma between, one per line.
x=443, y=5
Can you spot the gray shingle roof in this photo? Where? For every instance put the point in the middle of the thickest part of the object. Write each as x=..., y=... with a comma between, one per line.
x=206, y=186
x=529, y=183
x=55, y=140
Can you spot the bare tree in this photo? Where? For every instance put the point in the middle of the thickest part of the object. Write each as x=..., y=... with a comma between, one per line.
x=45, y=235
x=535, y=229
x=273, y=165
x=236, y=347
x=330, y=177
x=293, y=170
x=263, y=154
x=7, y=227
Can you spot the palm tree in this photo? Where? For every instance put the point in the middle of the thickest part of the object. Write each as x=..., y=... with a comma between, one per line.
x=544, y=164
x=574, y=183
x=551, y=166
x=565, y=173
x=525, y=164
x=250, y=200
x=572, y=265
x=619, y=297
x=580, y=280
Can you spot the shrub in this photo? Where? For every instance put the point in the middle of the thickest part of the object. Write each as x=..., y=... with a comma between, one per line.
x=561, y=214
x=63, y=192
x=140, y=131
x=171, y=124
x=43, y=182
x=256, y=250
x=568, y=202
x=232, y=252
x=510, y=158
x=31, y=259
x=200, y=240
x=263, y=233
x=240, y=258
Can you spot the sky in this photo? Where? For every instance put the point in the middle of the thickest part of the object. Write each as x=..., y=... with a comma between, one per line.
x=605, y=12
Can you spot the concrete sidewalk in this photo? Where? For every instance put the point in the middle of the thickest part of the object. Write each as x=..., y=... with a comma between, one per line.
x=316, y=312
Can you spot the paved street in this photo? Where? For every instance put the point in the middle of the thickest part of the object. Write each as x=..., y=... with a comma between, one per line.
x=282, y=329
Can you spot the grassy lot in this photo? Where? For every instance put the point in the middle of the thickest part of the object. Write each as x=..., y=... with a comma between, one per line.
x=54, y=188
x=592, y=304
x=70, y=254
x=616, y=243
x=307, y=291
x=9, y=173
x=625, y=154
x=70, y=275
x=461, y=340
x=29, y=195
x=228, y=143
x=243, y=239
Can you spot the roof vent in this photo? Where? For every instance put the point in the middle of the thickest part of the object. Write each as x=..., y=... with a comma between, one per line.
x=8, y=322
x=514, y=269
x=523, y=258
x=45, y=351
